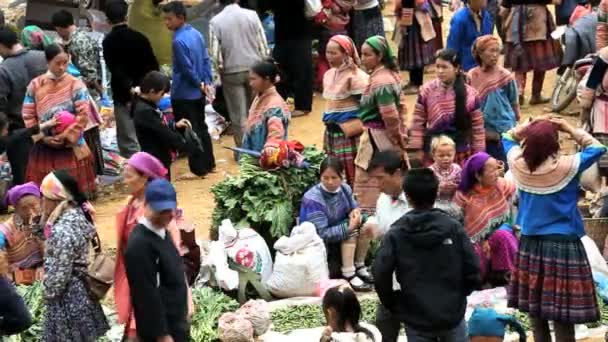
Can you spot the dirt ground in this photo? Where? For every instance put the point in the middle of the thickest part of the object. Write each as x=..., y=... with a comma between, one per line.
x=195, y=196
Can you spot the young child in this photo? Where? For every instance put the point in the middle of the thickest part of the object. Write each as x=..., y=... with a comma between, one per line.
x=435, y=264
x=443, y=151
x=342, y=312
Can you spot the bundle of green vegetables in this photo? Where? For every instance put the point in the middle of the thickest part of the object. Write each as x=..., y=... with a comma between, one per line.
x=33, y=298
x=266, y=201
x=310, y=316
x=209, y=305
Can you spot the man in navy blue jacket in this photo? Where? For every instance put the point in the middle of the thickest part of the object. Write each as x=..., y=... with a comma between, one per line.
x=192, y=77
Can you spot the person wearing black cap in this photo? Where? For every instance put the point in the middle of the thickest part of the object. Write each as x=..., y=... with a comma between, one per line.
x=155, y=270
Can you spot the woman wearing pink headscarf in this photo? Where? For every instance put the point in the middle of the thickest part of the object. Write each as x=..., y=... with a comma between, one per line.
x=141, y=168
x=343, y=86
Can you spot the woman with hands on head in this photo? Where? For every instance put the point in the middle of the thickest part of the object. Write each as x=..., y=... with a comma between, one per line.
x=552, y=279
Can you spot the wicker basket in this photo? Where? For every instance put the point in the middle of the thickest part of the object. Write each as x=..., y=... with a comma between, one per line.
x=597, y=230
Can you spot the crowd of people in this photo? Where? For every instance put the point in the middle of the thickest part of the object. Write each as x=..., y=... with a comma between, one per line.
x=465, y=197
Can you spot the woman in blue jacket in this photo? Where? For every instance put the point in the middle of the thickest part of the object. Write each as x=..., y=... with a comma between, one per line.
x=468, y=24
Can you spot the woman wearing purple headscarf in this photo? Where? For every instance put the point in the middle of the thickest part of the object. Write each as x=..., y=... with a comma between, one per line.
x=485, y=199
x=140, y=169
x=21, y=243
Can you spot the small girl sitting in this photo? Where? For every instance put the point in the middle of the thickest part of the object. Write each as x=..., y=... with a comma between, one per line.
x=342, y=313
x=443, y=150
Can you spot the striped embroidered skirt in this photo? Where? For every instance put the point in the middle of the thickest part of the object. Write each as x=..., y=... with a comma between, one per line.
x=366, y=191
x=552, y=280
x=44, y=159
x=94, y=142
x=539, y=55
x=364, y=24
x=414, y=52
x=337, y=145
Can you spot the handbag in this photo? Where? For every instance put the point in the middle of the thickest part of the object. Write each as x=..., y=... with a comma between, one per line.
x=352, y=128
x=196, y=156
x=100, y=275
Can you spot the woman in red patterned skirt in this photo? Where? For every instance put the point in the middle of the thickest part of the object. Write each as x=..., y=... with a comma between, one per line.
x=529, y=46
x=60, y=148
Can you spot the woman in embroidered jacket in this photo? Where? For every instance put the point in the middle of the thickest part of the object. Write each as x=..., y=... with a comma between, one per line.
x=528, y=43
x=447, y=106
x=343, y=86
x=71, y=314
x=141, y=168
x=418, y=42
x=485, y=199
x=330, y=206
x=498, y=94
x=46, y=96
x=383, y=113
x=269, y=115
x=552, y=280
x=20, y=236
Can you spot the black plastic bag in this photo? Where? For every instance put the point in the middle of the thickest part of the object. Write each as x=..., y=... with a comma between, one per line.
x=196, y=157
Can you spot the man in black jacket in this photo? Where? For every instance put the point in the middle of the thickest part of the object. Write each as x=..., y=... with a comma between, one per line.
x=129, y=57
x=435, y=264
x=155, y=270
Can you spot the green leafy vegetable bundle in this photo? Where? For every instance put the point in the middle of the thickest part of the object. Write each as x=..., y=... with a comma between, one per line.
x=291, y=318
x=34, y=299
x=209, y=305
x=267, y=200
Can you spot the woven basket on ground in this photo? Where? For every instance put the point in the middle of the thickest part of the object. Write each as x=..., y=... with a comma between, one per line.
x=597, y=230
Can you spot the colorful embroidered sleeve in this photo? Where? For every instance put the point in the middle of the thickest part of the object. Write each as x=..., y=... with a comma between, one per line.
x=313, y=212
x=478, y=132
x=387, y=101
x=276, y=129
x=507, y=188
x=30, y=116
x=80, y=97
x=419, y=123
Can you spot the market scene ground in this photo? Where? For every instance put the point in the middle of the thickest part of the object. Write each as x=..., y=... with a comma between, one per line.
x=302, y=317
